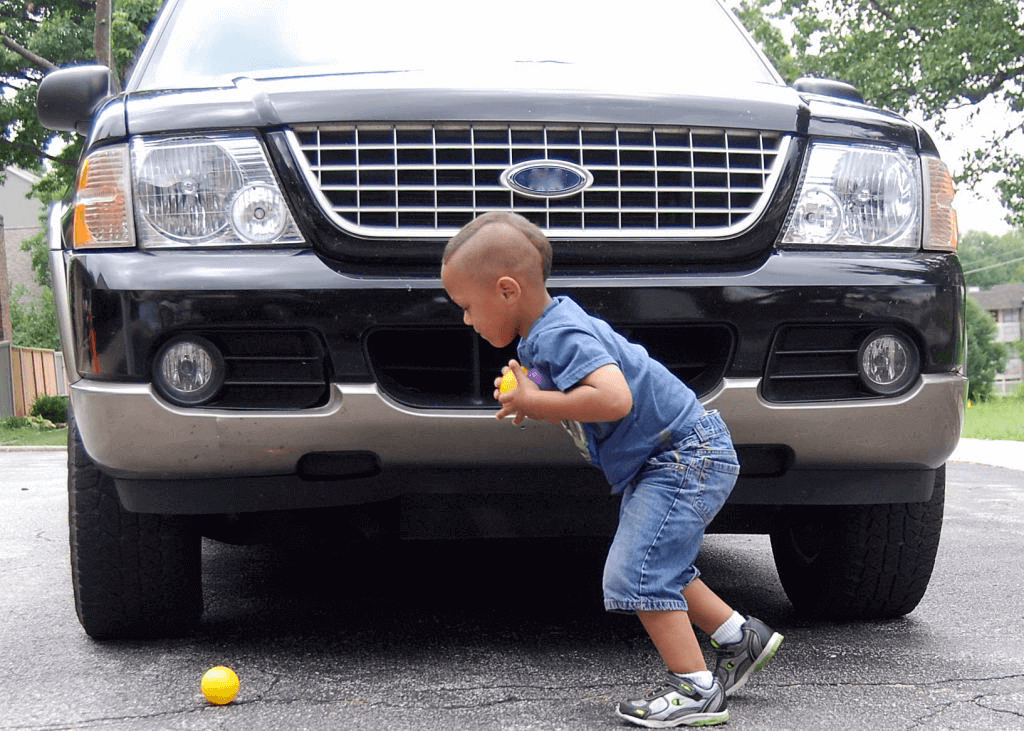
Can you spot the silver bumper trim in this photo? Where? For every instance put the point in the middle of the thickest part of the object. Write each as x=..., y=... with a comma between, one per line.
x=130, y=432
x=59, y=280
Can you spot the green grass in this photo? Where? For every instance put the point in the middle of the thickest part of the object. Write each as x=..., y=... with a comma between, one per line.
x=999, y=418
x=32, y=437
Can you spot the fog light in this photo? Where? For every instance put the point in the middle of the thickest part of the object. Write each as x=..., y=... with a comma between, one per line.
x=888, y=362
x=189, y=371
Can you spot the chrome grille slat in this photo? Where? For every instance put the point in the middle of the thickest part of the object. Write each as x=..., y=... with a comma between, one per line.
x=428, y=180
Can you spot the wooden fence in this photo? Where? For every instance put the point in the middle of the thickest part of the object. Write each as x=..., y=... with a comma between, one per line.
x=28, y=374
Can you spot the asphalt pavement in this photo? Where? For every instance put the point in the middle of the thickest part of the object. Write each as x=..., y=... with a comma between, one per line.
x=506, y=636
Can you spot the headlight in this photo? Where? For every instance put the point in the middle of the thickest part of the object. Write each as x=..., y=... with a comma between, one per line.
x=857, y=195
x=215, y=190
x=259, y=213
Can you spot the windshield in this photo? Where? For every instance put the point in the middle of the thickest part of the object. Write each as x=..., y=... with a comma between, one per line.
x=656, y=44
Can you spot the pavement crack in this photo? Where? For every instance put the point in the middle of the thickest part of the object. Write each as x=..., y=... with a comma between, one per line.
x=101, y=720
x=901, y=684
x=982, y=701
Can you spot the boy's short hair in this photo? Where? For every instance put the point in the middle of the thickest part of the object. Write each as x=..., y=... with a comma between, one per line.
x=520, y=223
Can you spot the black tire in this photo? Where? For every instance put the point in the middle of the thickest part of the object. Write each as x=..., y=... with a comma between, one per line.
x=859, y=561
x=135, y=576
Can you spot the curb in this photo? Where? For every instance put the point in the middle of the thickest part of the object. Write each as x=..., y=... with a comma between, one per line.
x=992, y=452
x=29, y=448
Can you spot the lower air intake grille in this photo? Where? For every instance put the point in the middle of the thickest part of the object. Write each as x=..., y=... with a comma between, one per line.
x=270, y=369
x=454, y=368
x=816, y=363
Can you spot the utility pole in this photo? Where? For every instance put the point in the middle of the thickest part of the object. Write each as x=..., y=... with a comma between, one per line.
x=6, y=329
x=101, y=42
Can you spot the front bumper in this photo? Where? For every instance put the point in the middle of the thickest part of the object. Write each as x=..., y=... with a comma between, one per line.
x=116, y=308
x=135, y=436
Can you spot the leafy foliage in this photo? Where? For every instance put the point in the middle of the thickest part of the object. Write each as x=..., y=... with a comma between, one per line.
x=985, y=356
x=27, y=422
x=52, y=408
x=55, y=32
x=988, y=259
x=36, y=37
x=770, y=37
x=926, y=56
x=34, y=324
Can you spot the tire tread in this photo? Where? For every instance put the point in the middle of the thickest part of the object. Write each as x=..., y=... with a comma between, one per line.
x=876, y=563
x=134, y=576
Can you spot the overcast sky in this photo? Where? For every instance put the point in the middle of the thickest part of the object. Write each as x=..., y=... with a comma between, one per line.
x=978, y=209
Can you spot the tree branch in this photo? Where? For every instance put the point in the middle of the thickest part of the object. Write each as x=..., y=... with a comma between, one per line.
x=993, y=86
x=894, y=22
x=39, y=153
x=37, y=61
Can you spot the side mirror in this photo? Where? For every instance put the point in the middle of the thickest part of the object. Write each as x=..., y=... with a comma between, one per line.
x=828, y=87
x=68, y=97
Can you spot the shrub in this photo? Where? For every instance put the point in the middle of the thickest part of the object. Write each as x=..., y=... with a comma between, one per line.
x=985, y=355
x=51, y=408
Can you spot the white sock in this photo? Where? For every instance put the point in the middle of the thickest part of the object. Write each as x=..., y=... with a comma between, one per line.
x=731, y=630
x=702, y=678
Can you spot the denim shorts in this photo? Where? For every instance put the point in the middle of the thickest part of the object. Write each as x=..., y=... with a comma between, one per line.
x=663, y=516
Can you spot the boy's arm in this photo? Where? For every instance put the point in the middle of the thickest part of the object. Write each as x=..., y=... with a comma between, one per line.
x=603, y=395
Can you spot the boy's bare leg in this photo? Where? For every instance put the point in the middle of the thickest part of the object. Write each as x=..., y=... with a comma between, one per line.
x=672, y=632
x=672, y=635
x=707, y=610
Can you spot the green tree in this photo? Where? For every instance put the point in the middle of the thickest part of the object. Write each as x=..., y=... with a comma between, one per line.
x=769, y=36
x=926, y=56
x=37, y=37
x=985, y=356
x=34, y=324
x=988, y=259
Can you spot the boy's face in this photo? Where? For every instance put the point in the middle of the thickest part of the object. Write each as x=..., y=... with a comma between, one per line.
x=485, y=305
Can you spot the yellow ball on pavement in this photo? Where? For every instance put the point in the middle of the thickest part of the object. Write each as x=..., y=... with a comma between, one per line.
x=508, y=382
x=220, y=685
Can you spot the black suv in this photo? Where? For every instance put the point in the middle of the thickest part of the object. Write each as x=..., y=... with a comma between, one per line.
x=247, y=280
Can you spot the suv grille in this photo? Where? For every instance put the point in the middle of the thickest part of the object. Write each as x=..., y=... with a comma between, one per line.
x=452, y=368
x=429, y=180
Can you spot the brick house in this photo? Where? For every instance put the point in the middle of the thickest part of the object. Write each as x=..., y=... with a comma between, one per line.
x=1005, y=302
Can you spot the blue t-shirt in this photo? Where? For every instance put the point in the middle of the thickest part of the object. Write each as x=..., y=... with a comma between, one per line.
x=565, y=345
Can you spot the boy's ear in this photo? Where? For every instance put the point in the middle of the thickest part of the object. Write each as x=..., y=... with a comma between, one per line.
x=509, y=289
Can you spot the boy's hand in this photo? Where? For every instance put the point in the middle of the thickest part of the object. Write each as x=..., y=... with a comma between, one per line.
x=515, y=403
x=604, y=395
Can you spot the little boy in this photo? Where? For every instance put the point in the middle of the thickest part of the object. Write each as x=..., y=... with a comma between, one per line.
x=672, y=462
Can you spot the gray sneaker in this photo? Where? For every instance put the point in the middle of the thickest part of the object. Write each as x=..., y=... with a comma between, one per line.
x=677, y=703
x=735, y=663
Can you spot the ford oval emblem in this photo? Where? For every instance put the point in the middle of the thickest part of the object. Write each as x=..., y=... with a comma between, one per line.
x=546, y=179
